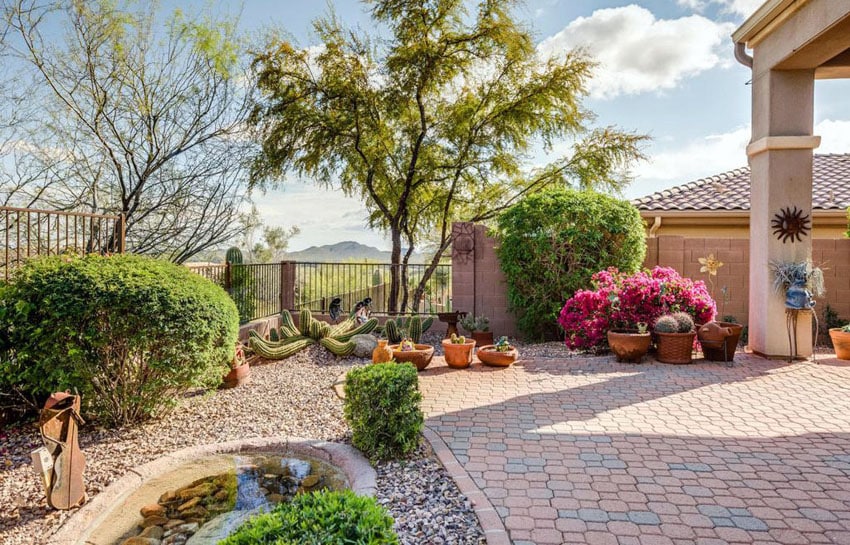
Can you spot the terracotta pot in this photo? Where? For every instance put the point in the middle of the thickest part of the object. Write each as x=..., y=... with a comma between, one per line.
x=482, y=338
x=382, y=353
x=237, y=376
x=490, y=356
x=711, y=336
x=421, y=357
x=841, y=342
x=675, y=347
x=628, y=345
x=458, y=356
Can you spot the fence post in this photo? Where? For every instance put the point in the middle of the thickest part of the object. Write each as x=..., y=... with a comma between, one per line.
x=287, y=285
x=228, y=279
x=122, y=233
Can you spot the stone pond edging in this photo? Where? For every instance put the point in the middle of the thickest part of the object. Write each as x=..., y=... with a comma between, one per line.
x=360, y=474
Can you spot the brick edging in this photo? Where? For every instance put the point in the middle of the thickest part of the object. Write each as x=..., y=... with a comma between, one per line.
x=491, y=522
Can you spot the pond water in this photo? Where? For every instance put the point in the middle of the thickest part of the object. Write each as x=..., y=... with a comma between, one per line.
x=205, y=500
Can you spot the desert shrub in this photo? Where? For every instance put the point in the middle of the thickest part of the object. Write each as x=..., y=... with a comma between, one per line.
x=552, y=242
x=129, y=333
x=382, y=408
x=320, y=518
x=623, y=300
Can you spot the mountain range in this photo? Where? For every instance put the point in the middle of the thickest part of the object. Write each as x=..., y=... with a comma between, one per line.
x=346, y=251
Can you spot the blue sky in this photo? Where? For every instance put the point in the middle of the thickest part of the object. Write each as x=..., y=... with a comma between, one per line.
x=666, y=70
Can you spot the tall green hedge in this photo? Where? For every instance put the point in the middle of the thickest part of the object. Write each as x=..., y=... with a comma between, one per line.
x=129, y=333
x=552, y=242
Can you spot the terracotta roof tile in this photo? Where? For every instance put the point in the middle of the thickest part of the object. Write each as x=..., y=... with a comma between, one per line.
x=731, y=190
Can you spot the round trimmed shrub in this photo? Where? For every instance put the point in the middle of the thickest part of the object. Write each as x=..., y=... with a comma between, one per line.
x=320, y=518
x=382, y=408
x=550, y=245
x=129, y=333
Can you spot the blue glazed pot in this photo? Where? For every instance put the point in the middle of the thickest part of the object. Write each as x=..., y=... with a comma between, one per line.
x=798, y=298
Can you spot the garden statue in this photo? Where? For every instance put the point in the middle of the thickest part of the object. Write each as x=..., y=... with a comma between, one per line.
x=335, y=309
x=62, y=466
x=362, y=310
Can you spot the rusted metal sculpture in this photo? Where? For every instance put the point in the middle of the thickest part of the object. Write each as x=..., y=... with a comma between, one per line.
x=63, y=472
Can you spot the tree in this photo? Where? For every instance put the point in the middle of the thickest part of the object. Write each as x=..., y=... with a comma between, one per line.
x=431, y=125
x=137, y=114
x=275, y=240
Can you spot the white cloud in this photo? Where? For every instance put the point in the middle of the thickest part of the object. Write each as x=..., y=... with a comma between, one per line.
x=638, y=52
x=743, y=8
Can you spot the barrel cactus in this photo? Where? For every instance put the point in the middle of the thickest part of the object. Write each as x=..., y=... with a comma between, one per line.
x=288, y=339
x=233, y=255
x=684, y=322
x=666, y=324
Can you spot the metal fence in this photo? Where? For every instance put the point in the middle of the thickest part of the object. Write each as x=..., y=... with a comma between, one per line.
x=255, y=287
x=29, y=232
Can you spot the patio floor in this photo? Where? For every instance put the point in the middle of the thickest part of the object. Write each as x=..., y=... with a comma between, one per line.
x=592, y=451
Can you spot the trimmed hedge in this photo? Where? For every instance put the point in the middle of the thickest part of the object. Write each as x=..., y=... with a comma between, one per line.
x=320, y=518
x=382, y=408
x=550, y=245
x=129, y=333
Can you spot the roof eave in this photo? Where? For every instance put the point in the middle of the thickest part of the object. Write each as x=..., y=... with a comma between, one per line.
x=766, y=18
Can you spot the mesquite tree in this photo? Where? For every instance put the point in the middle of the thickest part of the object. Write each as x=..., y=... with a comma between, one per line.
x=433, y=123
x=138, y=113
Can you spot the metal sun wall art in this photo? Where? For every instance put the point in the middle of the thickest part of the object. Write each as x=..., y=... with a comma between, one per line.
x=790, y=225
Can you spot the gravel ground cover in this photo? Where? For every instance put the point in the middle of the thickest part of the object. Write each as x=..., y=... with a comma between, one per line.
x=292, y=397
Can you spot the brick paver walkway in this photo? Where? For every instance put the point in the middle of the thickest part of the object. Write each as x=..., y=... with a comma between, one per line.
x=592, y=451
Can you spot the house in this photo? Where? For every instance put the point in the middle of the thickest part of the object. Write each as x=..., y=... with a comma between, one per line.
x=719, y=206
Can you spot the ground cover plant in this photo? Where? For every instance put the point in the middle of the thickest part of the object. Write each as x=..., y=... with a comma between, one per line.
x=129, y=333
x=551, y=244
x=621, y=299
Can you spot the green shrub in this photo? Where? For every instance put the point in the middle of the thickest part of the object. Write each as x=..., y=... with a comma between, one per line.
x=129, y=333
x=320, y=518
x=550, y=245
x=382, y=408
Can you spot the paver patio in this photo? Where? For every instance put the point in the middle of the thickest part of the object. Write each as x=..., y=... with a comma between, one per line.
x=592, y=451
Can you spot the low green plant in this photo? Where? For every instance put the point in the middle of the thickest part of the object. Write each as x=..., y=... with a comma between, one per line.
x=641, y=327
x=129, y=333
x=411, y=328
x=320, y=518
x=473, y=323
x=684, y=322
x=455, y=339
x=289, y=339
x=382, y=407
x=730, y=319
x=503, y=345
x=666, y=324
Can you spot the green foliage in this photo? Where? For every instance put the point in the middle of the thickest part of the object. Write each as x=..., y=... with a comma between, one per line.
x=551, y=244
x=411, y=328
x=473, y=323
x=666, y=324
x=288, y=339
x=382, y=408
x=129, y=333
x=233, y=255
x=320, y=518
x=684, y=322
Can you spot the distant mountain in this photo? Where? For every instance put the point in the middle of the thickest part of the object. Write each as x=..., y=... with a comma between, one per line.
x=346, y=251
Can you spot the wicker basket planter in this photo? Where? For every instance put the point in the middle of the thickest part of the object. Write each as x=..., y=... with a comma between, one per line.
x=458, y=356
x=675, y=347
x=628, y=345
x=841, y=342
x=490, y=356
x=420, y=357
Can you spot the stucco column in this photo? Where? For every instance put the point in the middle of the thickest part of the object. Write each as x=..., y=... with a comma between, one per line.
x=780, y=158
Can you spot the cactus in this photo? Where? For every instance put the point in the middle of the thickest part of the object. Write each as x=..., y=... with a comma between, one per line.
x=684, y=322
x=377, y=277
x=338, y=348
x=233, y=255
x=414, y=328
x=426, y=323
x=666, y=324
x=273, y=335
x=362, y=329
x=278, y=352
x=393, y=331
x=287, y=325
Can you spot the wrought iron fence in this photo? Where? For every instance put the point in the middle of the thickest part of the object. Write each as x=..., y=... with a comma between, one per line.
x=29, y=232
x=254, y=287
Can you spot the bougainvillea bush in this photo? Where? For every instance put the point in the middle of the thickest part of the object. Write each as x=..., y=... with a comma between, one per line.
x=622, y=300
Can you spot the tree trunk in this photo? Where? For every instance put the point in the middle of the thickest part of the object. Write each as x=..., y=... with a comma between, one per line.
x=429, y=271
x=395, y=270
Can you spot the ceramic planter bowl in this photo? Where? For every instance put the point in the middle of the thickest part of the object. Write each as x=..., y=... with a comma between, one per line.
x=420, y=357
x=841, y=342
x=490, y=356
x=458, y=356
x=236, y=377
x=629, y=345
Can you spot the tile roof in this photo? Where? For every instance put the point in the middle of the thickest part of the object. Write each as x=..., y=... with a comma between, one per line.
x=730, y=191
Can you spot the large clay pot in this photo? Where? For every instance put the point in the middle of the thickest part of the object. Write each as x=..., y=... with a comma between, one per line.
x=628, y=345
x=420, y=357
x=675, y=347
x=841, y=342
x=237, y=376
x=458, y=355
x=711, y=336
x=482, y=338
x=382, y=353
x=490, y=356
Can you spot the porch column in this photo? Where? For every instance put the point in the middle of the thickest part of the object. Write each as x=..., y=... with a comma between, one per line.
x=780, y=158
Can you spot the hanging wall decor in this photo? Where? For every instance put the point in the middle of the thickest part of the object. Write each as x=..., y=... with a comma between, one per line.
x=790, y=225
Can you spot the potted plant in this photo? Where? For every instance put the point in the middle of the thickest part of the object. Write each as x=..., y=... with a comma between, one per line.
x=501, y=354
x=240, y=370
x=458, y=351
x=841, y=341
x=675, y=338
x=629, y=345
x=409, y=352
x=479, y=328
x=799, y=281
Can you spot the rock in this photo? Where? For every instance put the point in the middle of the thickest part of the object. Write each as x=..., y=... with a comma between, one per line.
x=270, y=476
x=176, y=539
x=168, y=497
x=188, y=528
x=363, y=345
x=221, y=527
x=154, y=532
x=221, y=495
x=172, y=523
x=153, y=509
x=138, y=540
x=275, y=498
x=310, y=481
x=189, y=504
x=197, y=512
x=153, y=521
x=203, y=489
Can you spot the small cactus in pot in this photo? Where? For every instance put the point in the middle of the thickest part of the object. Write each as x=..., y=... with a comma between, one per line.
x=675, y=338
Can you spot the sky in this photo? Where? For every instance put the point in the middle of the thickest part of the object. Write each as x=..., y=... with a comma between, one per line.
x=666, y=69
